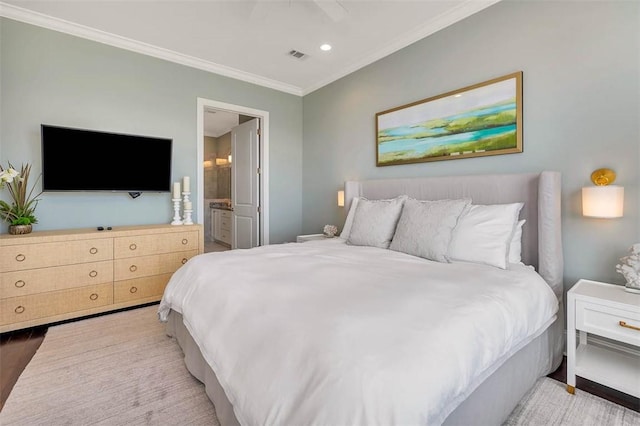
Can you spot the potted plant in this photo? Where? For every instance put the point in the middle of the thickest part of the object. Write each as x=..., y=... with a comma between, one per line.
x=20, y=213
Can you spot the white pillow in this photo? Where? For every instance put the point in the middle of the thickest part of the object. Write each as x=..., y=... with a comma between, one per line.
x=346, y=229
x=515, y=248
x=374, y=222
x=483, y=234
x=425, y=227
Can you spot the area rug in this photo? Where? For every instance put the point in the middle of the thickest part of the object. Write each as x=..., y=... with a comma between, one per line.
x=116, y=369
x=122, y=369
x=548, y=403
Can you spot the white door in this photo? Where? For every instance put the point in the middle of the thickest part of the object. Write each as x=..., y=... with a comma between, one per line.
x=245, y=182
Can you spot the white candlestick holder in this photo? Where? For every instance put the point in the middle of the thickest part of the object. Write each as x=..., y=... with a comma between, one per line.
x=176, y=212
x=187, y=217
x=187, y=211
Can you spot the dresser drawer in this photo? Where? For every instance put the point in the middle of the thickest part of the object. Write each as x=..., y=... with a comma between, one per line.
x=140, y=288
x=145, y=245
x=30, y=256
x=25, y=308
x=22, y=283
x=136, y=267
x=226, y=214
x=225, y=224
x=606, y=321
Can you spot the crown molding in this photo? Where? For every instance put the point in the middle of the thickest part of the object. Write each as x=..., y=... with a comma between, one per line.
x=450, y=17
x=445, y=19
x=45, y=21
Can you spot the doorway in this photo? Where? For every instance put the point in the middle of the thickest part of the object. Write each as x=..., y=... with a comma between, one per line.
x=215, y=159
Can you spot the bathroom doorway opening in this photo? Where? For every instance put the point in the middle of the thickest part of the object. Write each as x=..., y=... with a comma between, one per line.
x=232, y=154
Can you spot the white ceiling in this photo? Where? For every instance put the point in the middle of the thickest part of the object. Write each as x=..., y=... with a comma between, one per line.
x=250, y=39
x=219, y=122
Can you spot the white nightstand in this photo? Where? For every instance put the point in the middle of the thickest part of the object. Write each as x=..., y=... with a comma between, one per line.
x=609, y=311
x=309, y=237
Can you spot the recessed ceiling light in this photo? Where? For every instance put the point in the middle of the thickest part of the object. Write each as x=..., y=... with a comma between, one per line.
x=326, y=47
x=457, y=96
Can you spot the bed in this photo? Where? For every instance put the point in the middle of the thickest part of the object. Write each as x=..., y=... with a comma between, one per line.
x=344, y=332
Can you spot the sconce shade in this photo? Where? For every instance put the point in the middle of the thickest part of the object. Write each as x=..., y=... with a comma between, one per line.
x=603, y=201
x=341, y=198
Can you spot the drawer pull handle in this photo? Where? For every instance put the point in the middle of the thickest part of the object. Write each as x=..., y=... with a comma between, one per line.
x=93, y=274
x=133, y=290
x=20, y=283
x=133, y=247
x=133, y=268
x=185, y=241
x=184, y=260
x=624, y=324
x=93, y=296
x=19, y=309
x=93, y=250
x=21, y=257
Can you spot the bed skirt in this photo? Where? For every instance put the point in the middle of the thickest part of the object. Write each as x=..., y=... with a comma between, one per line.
x=489, y=404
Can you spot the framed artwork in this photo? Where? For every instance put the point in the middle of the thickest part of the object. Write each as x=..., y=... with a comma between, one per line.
x=479, y=120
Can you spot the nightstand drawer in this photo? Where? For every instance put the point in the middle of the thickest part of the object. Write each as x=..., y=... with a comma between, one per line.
x=606, y=321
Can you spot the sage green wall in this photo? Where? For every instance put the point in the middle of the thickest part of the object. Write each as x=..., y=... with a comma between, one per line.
x=581, y=112
x=53, y=78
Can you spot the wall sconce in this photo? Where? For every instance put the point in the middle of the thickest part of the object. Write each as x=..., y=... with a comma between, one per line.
x=208, y=164
x=340, y=198
x=603, y=200
x=229, y=158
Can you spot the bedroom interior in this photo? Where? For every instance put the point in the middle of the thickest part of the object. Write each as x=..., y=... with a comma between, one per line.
x=580, y=131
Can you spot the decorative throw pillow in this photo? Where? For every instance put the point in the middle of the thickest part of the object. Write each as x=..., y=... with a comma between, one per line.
x=515, y=248
x=425, y=227
x=346, y=229
x=483, y=234
x=374, y=222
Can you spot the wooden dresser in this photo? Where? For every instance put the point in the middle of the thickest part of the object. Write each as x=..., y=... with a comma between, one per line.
x=51, y=276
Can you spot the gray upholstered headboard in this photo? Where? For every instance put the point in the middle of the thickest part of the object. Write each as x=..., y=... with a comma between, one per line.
x=540, y=192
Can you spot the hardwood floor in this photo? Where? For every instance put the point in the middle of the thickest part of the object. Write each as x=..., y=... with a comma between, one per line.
x=18, y=347
x=593, y=388
x=16, y=350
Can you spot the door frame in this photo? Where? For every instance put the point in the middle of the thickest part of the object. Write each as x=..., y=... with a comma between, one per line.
x=202, y=105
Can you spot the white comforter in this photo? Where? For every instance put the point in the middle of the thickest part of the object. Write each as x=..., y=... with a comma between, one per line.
x=323, y=333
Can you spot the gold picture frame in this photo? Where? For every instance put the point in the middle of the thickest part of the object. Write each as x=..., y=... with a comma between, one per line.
x=479, y=120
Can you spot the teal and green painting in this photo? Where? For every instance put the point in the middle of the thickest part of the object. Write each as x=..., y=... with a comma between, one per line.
x=479, y=121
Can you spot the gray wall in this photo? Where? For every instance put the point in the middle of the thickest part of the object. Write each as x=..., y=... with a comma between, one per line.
x=581, y=112
x=53, y=78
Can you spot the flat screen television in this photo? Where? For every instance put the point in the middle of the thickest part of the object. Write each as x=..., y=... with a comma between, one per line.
x=89, y=160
